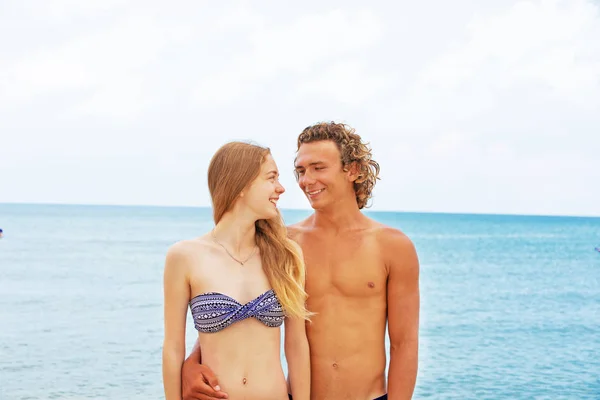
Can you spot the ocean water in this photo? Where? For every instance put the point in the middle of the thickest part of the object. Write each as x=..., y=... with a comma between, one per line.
x=510, y=304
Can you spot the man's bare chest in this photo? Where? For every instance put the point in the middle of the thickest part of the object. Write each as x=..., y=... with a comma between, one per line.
x=351, y=268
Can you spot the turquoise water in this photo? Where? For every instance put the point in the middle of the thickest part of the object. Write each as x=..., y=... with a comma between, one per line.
x=510, y=304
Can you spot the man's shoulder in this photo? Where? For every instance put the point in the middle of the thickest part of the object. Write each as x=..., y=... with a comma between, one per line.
x=391, y=238
x=298, y=228
x=397, y=249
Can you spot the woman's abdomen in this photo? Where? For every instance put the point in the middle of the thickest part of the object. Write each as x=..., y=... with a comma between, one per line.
x=246, y=360
x=254, y=378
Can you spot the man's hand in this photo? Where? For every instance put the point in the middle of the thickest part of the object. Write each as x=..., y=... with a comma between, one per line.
x=198, y=382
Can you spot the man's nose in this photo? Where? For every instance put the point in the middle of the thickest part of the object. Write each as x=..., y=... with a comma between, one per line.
x=306, y=180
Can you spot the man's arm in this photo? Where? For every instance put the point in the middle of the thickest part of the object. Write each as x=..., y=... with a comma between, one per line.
x=403, y=314
x=198, y=382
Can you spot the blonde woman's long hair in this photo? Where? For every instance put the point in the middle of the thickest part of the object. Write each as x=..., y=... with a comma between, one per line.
x=232, y=169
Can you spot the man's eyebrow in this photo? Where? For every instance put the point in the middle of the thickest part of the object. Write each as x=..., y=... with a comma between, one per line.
x=310, y=165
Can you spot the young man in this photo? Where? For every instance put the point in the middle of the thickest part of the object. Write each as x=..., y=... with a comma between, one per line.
x=360, y=275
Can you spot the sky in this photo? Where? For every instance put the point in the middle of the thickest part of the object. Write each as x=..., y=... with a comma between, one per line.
x=469, y=106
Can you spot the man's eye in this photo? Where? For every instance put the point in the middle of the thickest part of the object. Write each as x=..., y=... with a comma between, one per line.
x=300, y=173
x=319, y=168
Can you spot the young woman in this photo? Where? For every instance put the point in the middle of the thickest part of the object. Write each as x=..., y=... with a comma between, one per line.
x=241, y=281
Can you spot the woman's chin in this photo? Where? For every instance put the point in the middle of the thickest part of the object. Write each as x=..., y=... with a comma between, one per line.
x=269, y=214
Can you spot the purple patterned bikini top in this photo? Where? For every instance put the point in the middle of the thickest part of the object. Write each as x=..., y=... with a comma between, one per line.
x=213, y=311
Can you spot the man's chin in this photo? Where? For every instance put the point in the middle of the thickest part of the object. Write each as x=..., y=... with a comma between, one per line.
x=316, y=205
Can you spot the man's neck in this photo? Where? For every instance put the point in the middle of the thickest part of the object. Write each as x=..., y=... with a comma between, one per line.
x=339, y=218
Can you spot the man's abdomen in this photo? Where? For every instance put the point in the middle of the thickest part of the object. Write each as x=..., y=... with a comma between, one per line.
x=347, y=343
x=358, y=378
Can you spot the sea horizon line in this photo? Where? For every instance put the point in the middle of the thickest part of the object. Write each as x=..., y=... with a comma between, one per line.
x=308, y=209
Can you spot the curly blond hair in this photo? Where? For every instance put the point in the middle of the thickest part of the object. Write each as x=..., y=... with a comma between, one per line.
x=352, y=151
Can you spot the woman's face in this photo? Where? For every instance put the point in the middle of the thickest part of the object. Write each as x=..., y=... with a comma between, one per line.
x=264, y=192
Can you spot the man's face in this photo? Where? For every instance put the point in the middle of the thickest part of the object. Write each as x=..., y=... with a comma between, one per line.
x=320, y=174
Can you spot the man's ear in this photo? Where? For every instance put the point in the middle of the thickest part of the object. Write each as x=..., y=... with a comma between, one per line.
x=352, y=171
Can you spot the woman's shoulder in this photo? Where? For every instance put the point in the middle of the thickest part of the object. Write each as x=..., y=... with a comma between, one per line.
x=189, y=248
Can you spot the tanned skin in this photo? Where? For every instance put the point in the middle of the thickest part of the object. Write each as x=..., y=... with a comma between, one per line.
x=361, y=275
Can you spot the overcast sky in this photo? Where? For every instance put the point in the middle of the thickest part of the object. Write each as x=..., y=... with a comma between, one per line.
x=469, y=106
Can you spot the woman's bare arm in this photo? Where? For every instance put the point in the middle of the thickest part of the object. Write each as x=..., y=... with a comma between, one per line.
x=176, y=298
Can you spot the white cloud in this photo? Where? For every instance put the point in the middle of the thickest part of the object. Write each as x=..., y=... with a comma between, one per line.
x=64, y=10
x=101, y=65
x=347, y=81
x=526, y=78
x=463, y=114
x=298, y=49
x=313, y=39
x=548, y=42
